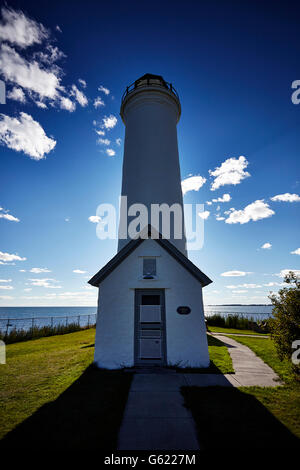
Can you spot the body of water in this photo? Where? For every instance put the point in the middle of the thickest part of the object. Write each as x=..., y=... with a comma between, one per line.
x=257, y=312
x=26, y=317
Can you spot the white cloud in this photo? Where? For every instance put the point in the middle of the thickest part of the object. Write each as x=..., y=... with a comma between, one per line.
x=7, y=216
x=6, y=287
x=109, y=122
x=104, y=90
x=100, y=132
x=26, y=135
x=18, y=29
x=234, y=273
x=272, y=284
x=5, y=280
x=255, y=211
x=266, y=246
x=41, y=105
x=95, y=219
x=118, y=141
x=110, y=152
x=82, y=82
x=27, y=289
x=246, y=286
x=5, y=297
x=49, y=55
x=29, y=75
x=66, y=103
x=22, y=270
x=58, y=28
x=218, y=217
x=192, y=183
x=78, y=297
x=204, y=215
x=224, y=198
x=46, y=282
x=296, y=252
x=37, y=73
x=98, y=102
x=7, y=257
x=287, y=197
x=78, y=271
x=17, y=94
x=40, y=270
x=103, y=141
x=79, y=96
x=232, y=171
x=284, y=272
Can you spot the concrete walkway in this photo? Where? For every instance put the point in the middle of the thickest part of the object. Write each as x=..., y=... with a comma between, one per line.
x=249, y=368
x=155, y=417
x=239, y=334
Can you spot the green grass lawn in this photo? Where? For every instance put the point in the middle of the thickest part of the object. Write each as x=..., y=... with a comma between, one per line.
x=49, y=392
x=219, y=356
x=265, y=349
x=219, y=329
x=252, y=417
x=51, y=395
x=282, y=402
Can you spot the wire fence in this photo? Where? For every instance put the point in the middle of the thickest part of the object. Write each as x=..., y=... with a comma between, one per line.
x=82, y=320
x=253, y=315
x=25, y=324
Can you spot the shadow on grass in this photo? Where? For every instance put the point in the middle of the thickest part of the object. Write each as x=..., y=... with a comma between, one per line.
x=86, y=415
x=212, y=341
x=231, y=419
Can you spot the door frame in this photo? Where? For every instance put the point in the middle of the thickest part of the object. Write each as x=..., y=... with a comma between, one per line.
x=150, y=362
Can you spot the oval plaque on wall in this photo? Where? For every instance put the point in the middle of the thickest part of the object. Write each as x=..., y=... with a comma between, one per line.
x=183, y=310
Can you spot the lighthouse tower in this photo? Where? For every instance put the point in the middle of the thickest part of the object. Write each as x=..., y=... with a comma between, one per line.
x=150, y=110
x=150, y=306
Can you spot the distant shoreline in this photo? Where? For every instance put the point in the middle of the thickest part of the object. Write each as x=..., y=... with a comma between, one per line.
x=239, y=305
x=95, y=306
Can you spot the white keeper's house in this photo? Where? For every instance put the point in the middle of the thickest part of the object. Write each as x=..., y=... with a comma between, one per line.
x=150, y=306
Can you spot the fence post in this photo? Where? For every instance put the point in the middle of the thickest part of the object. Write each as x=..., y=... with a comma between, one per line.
x=78, y=321
x=7, y=326
x=51, y=322
x=88, y=321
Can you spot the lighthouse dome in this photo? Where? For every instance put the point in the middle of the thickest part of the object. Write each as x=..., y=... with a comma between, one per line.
x=152, y=81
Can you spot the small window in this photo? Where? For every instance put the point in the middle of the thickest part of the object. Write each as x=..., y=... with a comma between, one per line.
x=149, y=268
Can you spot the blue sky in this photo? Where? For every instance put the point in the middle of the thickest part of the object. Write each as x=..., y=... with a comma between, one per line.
x=233, y=65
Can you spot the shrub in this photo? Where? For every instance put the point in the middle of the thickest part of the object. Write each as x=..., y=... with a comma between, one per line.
x=285, y=326
x=16, y=335
x=238, y=322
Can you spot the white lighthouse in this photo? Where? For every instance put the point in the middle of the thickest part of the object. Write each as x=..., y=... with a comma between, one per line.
x=150, y=110
x=150, y=307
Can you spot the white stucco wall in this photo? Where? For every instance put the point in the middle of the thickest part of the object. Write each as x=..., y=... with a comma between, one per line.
x=185, y=334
